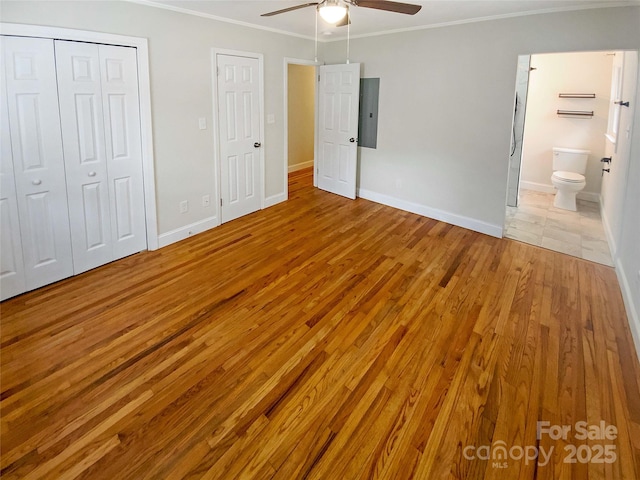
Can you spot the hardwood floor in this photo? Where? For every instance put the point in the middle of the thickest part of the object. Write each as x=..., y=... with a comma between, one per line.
x=321, y=338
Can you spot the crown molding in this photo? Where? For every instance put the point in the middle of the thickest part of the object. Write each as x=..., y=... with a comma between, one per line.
x=630, y=3
x=599, y=5
x=187, y=11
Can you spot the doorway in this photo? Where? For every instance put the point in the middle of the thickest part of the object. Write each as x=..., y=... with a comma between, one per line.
x=88, y=198
x=567, y=106
x=300, y=116
x=144, y=88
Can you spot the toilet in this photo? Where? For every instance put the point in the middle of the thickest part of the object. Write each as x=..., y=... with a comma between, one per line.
x=569, y=165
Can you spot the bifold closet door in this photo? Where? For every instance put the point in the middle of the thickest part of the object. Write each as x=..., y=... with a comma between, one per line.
x=85, y=155
x=98, y=89
x=12, y=280
x=38, y=165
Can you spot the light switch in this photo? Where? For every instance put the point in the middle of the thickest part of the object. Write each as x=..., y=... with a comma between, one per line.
x=202, y=123
x=271, y=118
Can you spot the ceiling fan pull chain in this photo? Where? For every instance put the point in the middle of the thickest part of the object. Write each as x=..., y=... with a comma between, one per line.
x=348, y=35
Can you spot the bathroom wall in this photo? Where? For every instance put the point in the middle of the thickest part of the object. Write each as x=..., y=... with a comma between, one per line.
x=301, y=103
x=584, y=72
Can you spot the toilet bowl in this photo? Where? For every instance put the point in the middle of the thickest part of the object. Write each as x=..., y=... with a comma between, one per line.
x=569, y=166
x=568, y=184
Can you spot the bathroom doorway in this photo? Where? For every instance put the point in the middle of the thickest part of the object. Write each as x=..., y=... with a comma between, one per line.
x=563, y=100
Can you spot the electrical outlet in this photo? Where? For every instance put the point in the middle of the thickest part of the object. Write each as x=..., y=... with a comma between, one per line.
x=202, y=123
x=398, y=183
x=184, y=206
x=206, y=200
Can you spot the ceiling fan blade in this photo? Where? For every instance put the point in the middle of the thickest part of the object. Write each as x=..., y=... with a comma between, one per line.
x=284, y=10
x=398, y=7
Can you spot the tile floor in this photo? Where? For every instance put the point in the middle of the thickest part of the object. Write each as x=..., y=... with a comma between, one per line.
x=537, y=222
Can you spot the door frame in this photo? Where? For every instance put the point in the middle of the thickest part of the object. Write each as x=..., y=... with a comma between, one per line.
x=144, y=87
x=297, y=61
x=531, y=54
x=352, y=144
x=517, y=136
x=216, y=124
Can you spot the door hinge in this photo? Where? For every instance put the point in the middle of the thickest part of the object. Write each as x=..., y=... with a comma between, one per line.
x=220, y=202
x=318, y=78
x=218, y=71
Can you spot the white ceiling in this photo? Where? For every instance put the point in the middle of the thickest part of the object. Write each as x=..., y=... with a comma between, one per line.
x=366, y=21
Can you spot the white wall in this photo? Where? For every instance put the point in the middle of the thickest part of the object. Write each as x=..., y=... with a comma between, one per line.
x=301, y=105
x=181, y=89
x=582, y=72
x=443, y=144
x=628, y=255
x=624, y=227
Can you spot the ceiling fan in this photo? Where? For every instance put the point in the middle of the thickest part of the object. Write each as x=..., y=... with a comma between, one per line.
x=335, y=11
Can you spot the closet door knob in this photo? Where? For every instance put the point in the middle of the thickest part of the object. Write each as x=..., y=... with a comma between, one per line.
x=92, y=174
x=36, y=182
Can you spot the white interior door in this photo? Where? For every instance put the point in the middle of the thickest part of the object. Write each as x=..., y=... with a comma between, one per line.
x=239, y=133
x=81, y=115
x=36, y=145
x=12, y=281
x=121, y=107
x=339, y=103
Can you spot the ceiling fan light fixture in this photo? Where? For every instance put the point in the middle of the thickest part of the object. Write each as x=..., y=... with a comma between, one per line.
x=332, y=11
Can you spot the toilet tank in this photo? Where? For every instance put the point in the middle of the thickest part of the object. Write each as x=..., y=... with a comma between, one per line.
x=570, y=160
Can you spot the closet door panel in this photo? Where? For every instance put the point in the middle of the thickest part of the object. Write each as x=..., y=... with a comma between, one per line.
x=123, y=148
x=82, y=117
x=38, y=165
x=12, y=281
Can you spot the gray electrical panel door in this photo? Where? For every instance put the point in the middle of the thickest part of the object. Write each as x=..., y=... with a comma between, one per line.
x=368, y=121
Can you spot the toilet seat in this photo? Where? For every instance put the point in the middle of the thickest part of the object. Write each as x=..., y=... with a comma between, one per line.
x=569, y=177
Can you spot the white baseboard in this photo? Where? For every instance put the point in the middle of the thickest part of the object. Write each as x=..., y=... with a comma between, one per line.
x=613, y=247
x=624, y=281
x=632, y=311
x=543, y=187
x=425, y=211
x=300, y=166
x=537, y=187
x=589, y=197
x=274, y=199
x=181, y=233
